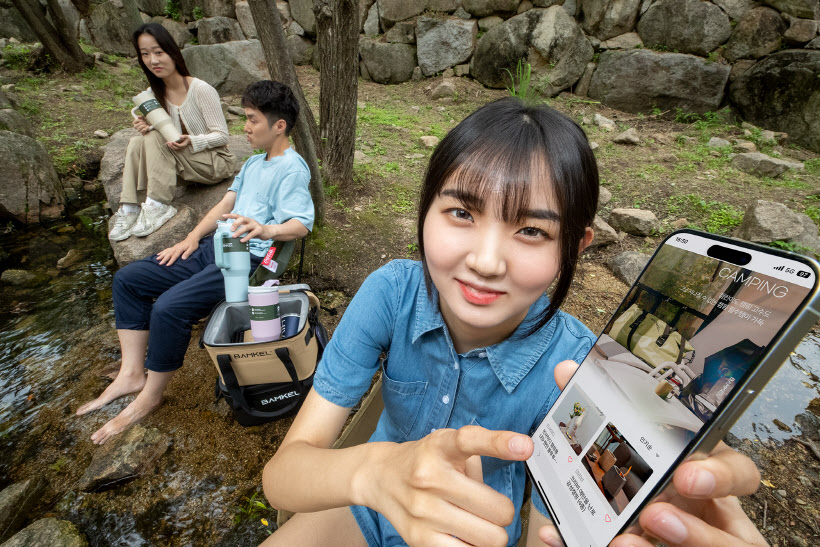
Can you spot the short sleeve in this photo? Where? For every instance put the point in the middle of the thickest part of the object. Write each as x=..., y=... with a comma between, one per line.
x=236, y=185
x=293, y=200
x=352, y=357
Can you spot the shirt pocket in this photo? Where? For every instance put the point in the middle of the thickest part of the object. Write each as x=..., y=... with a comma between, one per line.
x=402, y=402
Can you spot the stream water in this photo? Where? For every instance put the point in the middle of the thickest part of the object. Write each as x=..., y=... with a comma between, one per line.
x=38, y=326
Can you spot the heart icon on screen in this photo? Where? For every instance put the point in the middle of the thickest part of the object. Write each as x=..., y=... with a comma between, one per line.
x=607, y=519
x=569, y=459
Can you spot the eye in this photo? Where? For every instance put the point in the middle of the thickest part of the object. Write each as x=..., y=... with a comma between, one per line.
x=461, y=214
x=533, y=232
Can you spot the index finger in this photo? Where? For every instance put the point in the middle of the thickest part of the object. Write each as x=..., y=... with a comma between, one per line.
x=473, y=440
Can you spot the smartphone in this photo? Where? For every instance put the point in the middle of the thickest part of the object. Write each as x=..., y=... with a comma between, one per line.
x=706, y=325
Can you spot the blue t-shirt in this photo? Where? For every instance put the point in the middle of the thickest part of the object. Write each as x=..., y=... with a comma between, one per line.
x=273, y=192
x=426, y=385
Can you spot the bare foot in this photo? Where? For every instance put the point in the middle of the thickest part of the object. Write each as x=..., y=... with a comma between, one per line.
x=121, y=386
x=139, y=408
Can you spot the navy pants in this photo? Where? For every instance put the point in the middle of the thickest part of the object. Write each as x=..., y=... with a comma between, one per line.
x=168, y=300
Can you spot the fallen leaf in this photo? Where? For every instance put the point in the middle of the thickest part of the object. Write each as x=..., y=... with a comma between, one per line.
x=766, y=482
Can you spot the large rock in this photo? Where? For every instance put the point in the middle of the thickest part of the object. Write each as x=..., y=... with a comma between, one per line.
x=549, y=39
x=12, y=25
x=735, y=9
x=808, y=239
x=169, y=234
x=634, y=221
x=387, y=63
x=218, y=30
x=758, y=33
x=300, y=49
x=218, y=8
x=686, y=26
x=124, y=457
x=11, y=120
x=404, y=32
x=483, y=8
x=605, y=19
x=371, y=26
x=245, y=18
x=111, y=24
x=302, y=13
x=152, y=7
x=29, y=188
x=768, y=221
x=49, y=532
x=782, y=93
x=393, y=11
x=23, y=278
x=445, y=6
x=801, y=31
x=604, y=233
x=229, y=67
x=444, y=43
x=761, y=165
x=805, y=9
x=16, y=501
x=640, y=80
x=627, y=266
x=177, y=30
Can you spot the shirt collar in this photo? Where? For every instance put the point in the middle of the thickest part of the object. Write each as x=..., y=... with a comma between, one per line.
x=510, y=359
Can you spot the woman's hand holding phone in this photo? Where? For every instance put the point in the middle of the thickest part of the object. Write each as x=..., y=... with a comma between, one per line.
x=698, y=509
x=432, y=490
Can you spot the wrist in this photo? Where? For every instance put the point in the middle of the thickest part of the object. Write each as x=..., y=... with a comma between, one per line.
x=365, y=480
x=269, y=231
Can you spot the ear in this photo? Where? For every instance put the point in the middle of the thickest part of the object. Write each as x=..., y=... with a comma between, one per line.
x=586, y=240
x=280, y=126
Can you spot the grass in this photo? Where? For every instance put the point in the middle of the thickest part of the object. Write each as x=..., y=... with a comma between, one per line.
x=375, y=115
x=713, y=216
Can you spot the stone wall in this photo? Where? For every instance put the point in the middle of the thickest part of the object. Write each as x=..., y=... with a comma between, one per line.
x=633, y=55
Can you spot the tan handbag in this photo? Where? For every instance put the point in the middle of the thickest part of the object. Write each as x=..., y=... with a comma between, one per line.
x=649, y=338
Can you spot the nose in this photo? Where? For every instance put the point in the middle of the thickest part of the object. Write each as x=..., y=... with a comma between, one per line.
x=488, y=255
x=245, y=128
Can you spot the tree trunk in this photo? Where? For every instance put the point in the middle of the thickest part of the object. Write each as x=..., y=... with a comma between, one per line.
x=272, y=36
x=58, y=42
x=337, y=33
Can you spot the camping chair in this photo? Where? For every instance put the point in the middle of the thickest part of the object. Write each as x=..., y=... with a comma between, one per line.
x=359, y=430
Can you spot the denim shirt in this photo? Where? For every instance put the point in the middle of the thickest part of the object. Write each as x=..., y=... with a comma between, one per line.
x=426, y=385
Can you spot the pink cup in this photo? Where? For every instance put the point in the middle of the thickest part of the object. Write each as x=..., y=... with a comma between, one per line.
x=266, y=324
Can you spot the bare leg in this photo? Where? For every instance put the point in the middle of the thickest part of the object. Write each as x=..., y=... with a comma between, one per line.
x=131, y=377
x=148, y=400
x=329, y=527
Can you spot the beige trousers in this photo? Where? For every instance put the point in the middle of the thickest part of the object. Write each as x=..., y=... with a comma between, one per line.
x=152, y=167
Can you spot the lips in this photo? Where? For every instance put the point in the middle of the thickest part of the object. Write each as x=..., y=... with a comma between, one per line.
x=478, y=295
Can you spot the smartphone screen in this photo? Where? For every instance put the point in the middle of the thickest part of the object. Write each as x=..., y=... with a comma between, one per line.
x=694, y=327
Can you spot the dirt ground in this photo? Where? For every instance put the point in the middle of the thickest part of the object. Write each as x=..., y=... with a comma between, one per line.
x=371, y=221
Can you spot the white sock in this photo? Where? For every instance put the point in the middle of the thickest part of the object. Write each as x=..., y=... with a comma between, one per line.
x=129, y=208
x=153, y=202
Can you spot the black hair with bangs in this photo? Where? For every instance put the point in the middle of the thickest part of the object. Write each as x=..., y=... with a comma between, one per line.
x=167, y=44
x=505, y=147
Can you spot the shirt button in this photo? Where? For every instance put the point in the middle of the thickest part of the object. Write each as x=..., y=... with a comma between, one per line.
x=483, y=354
x=433, y=430
x=455, y=366
x=445, y=399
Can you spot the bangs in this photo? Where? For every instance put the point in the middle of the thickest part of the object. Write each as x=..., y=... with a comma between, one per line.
x=491, y=172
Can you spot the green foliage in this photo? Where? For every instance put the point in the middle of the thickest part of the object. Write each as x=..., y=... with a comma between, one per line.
x=198, y=13
x=173, y=10
x=813, y=213
x=520, y=82
x=373, y=115
x=712, y=216
x=792, y=247
x=17, y=56
x=812, y=167
x=253, y=508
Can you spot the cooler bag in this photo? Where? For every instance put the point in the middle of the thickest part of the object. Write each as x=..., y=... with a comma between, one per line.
x=265, y=381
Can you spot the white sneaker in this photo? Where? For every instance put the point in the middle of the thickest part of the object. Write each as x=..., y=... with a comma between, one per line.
x=151, y=218
x=122, y=225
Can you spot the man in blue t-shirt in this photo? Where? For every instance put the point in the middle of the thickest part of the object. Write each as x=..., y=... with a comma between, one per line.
x=269, y=200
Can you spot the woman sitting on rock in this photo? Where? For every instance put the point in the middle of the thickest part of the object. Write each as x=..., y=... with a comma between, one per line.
x=153, y=165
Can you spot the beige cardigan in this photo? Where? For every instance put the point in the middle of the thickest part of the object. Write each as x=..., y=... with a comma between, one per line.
x=201, y=112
